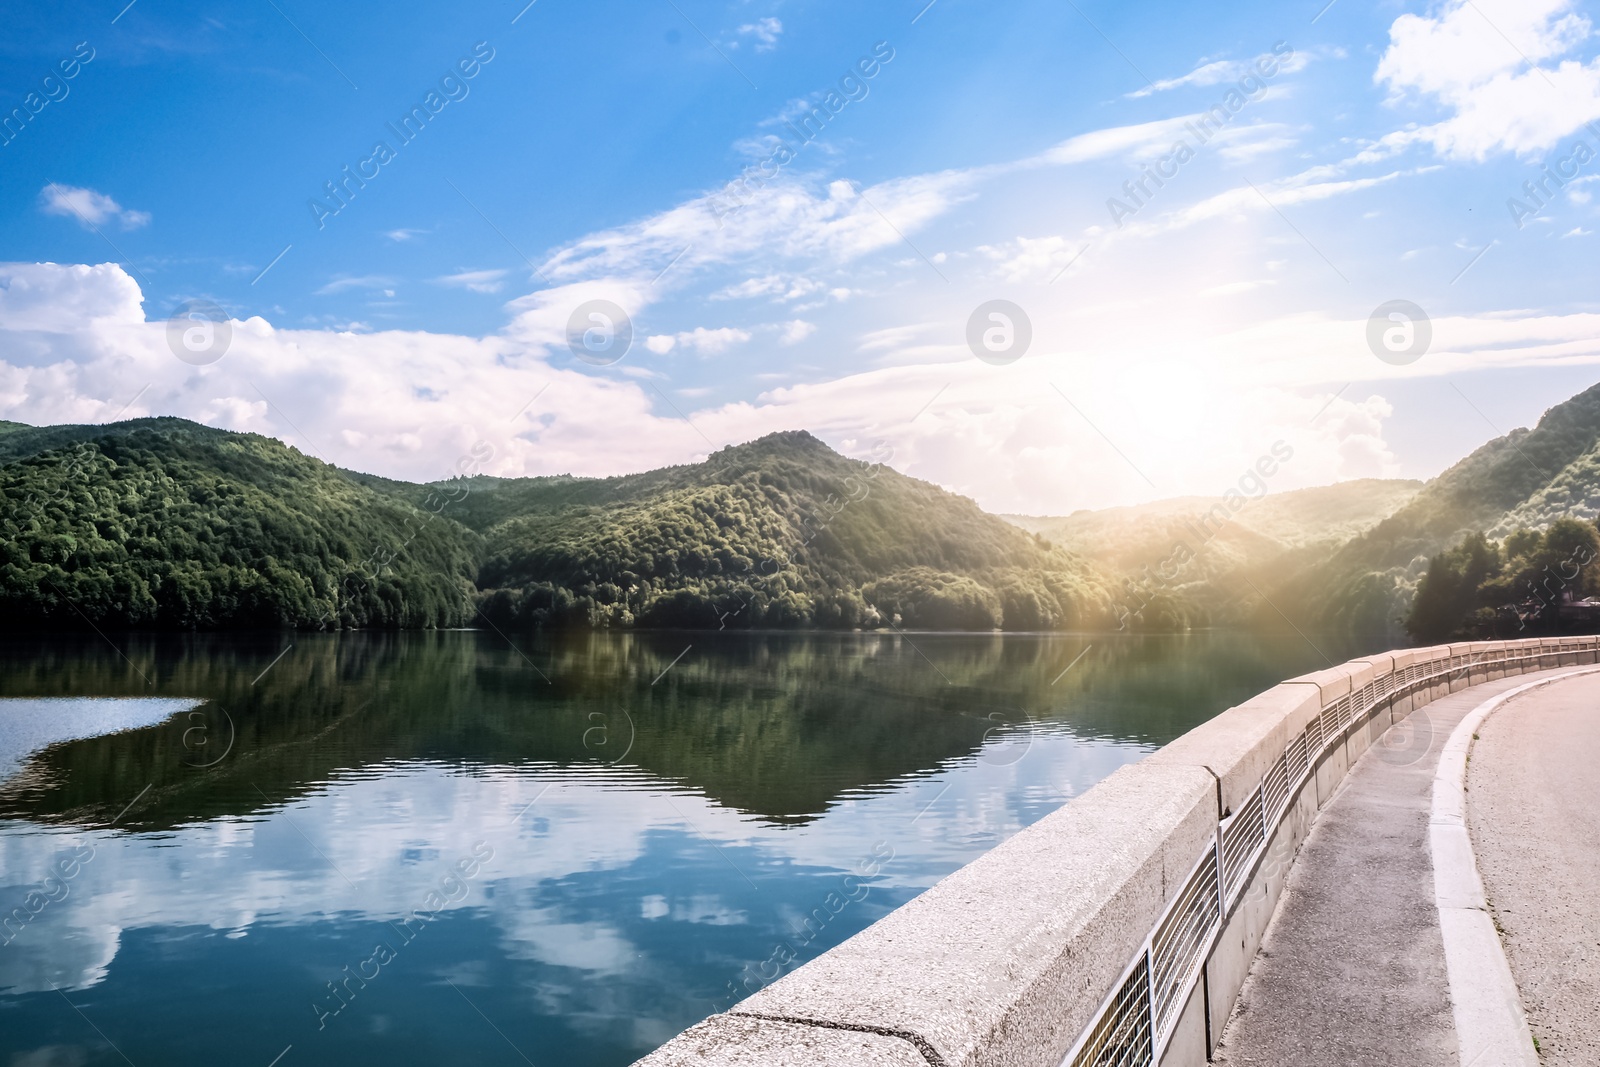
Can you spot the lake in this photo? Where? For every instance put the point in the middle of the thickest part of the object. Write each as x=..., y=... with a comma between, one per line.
x=441, y=848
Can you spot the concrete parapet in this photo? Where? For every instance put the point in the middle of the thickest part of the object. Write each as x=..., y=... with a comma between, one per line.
x=1239, y=745
x=1009, y=961
x=1494, y=667
x=1334, y=682
x=1381, y=664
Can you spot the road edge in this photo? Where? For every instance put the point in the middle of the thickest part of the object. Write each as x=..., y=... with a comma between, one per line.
x=1491, y=1026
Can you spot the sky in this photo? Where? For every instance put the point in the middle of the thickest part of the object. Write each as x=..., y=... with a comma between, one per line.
x=1048, y=255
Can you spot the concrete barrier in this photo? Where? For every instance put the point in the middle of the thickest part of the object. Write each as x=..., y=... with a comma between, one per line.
x=1119, y=929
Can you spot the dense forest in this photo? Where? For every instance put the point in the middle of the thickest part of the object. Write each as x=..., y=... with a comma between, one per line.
x=779, y=532
x=167, y=524
x=1531, y=582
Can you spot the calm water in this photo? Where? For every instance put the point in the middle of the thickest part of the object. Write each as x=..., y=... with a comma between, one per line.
x=439, y=849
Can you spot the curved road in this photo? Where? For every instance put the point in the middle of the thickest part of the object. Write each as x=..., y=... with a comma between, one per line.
x=1352, y=969
x=1533, y=808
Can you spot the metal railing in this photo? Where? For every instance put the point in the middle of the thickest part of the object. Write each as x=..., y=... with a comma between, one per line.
x=1138, y=1017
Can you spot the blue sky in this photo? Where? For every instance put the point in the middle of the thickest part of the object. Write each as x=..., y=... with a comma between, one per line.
x=1177, y=335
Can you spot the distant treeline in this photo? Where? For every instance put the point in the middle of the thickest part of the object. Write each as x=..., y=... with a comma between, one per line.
x=1527, y=582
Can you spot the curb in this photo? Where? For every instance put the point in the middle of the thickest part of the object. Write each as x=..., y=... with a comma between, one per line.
x=1491, y=1027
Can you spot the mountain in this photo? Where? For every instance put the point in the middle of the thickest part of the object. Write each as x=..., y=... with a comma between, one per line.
x=782, y=531
x=1528, y=478
x=1268, y=537
x=166, y=523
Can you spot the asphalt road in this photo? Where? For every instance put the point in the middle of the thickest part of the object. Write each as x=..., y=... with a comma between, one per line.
x=1533, y=809
x=1352, y=969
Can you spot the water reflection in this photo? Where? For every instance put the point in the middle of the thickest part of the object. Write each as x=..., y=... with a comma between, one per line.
x=650, y=831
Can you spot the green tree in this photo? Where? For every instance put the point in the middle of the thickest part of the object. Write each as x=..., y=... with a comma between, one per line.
x=1448, y=593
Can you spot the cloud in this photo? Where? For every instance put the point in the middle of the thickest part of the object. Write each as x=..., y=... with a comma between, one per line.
x=1116, y=141
x=1483, y=62
x=340, y=283
x=790, y=218
x=797, y=330
x=782, y=287
x=712, y=342
x=1212, y=73
x=1240, y=200
x=479, y=281
x=1032, y=258
x=88, y=207
x=765, y=32
x=78, y=347
x=701, y=340
x=1215, y=72
x=1241, y=144
x=804, y=218
x=403, y=234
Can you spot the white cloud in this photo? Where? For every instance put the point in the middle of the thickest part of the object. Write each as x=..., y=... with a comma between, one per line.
x=1032, y=258
x=799, y=217
x=77, y=347
x=1211, y=73
x=1144, y=137
x=765, y=32
x=893, y=337
x=1239, y=201
x=1241, y=144
x=712, y=342
x=88, y=207
x=779, y=286
x=340, y=283
x=789, y=219
x=797, y=330
x=479, y=281
x=403, y=234
x=1215, y=72
x=705, y=341
x=1484, y=62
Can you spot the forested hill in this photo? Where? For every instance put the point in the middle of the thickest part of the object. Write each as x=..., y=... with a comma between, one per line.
x=781, y=531
x=1526, y=478
x=165, y=523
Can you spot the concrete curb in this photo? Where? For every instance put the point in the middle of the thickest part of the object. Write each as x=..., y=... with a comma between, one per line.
x=1490, y=1024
